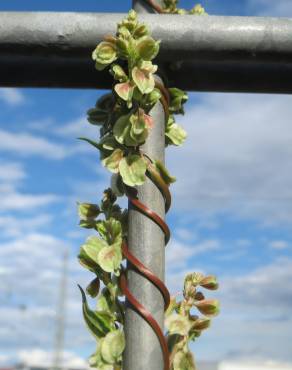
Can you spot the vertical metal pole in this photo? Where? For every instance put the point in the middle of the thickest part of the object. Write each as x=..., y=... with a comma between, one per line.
x=146, y=242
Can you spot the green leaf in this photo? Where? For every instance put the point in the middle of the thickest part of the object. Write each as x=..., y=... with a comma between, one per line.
x=147, y=48
x=97, y=116
x=108, y=143
x=122, y=129
x=110, y=258
x=91, y=142
x=88, y=223
x=117, y=185
x=112, y=162
x=174, y=133
x=132, y=169
x=88, y=255
x=98, y=323
x=177, y=324
x=167, y=178
x=105, y=302
x=113, y=346
x=132, y=129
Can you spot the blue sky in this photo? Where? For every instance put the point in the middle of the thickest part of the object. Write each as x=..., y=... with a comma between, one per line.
x=231, y=215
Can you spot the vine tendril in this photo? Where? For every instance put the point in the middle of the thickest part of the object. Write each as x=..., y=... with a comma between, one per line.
x=124, y=117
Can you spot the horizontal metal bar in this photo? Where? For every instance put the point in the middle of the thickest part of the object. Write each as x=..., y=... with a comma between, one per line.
x=206, y=53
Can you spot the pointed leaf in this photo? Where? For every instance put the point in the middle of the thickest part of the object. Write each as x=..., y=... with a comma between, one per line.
x=99, y=323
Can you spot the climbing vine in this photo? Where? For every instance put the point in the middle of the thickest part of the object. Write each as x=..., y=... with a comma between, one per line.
x=124, y=119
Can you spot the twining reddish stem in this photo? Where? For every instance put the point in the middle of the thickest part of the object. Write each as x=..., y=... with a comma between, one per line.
x=155, y=6
x=138, y=265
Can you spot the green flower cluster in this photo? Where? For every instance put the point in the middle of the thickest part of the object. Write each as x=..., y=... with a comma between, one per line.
x=170, y=6
x=183, y=326
x=124, y=115
x=102, y=255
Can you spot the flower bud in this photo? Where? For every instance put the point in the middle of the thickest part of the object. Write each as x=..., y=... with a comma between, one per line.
x=93, y=288
x=153, y=97
x=208, y=307
x=177, y=99
x=118, y=73
x=201, y=324
x=104, y=54
x=198, y=10
x=122, y=47
x=88, y=211
x=132, y=16
x=209, y=282
x=199, y=296
x=140, y=31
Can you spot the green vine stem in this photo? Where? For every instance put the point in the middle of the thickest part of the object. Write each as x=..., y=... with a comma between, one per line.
x=124, y=122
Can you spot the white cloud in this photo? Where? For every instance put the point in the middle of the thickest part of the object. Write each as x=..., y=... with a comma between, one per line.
x=238, y=154
x=267, y=286
x=16, y=226
x=12, y=96
x=77, y=127
x=10, y=172
x=279, y=244
x=12, y=199
x=27, y=144
x=39, y=357
x=180, y=257
x=255, y=319
x=179, y=254
x=30, y=269
x=271, y=8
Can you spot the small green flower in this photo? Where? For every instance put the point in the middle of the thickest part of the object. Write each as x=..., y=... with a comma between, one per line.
x=104, y=54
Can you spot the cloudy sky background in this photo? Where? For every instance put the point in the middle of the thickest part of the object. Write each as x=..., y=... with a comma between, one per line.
x=231, y=215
